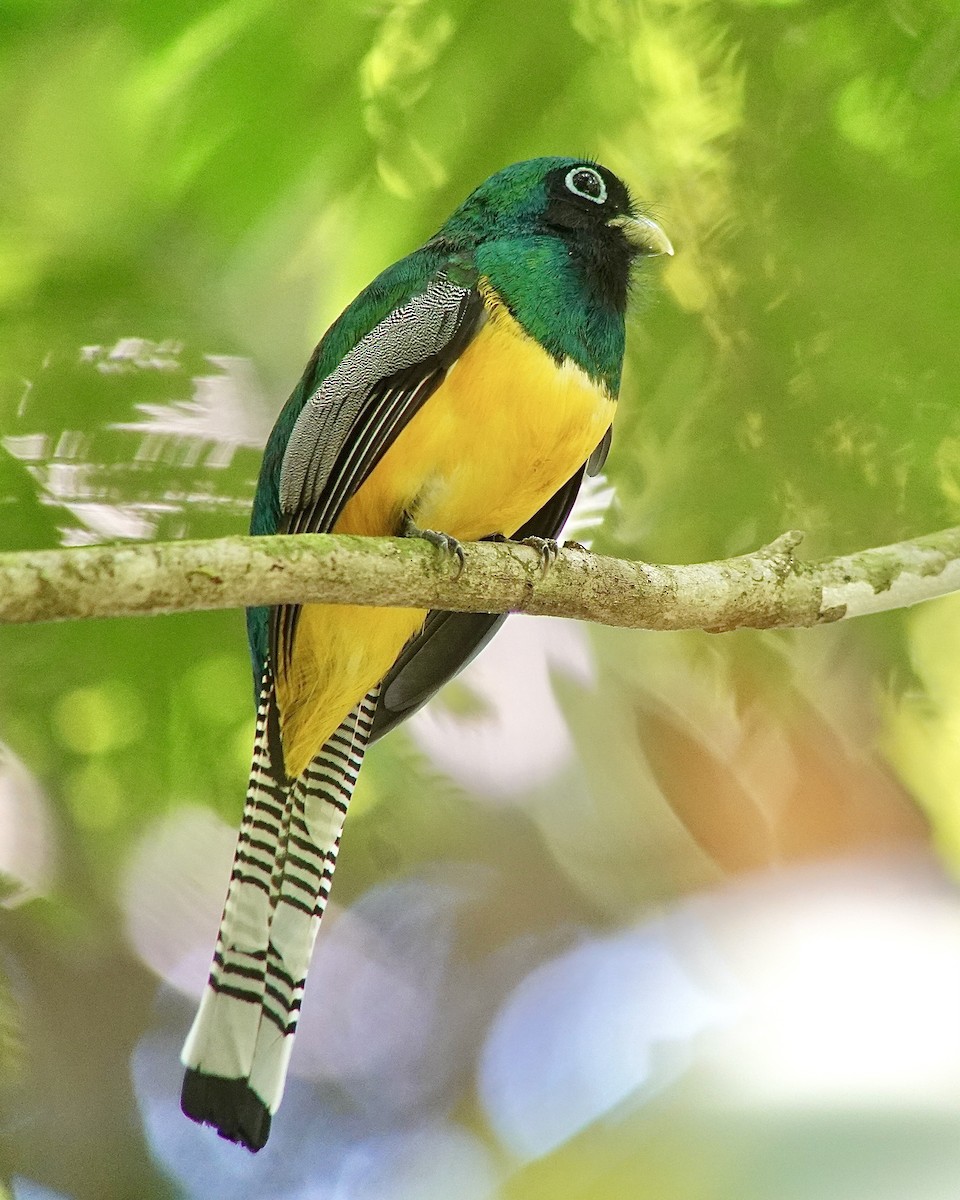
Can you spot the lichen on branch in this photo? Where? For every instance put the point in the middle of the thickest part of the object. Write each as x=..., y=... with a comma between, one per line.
x=769, y=588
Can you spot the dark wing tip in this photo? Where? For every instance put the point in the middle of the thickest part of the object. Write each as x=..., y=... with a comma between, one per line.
x=231, y=1106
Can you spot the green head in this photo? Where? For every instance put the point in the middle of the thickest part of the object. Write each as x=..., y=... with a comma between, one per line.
x=580, y=203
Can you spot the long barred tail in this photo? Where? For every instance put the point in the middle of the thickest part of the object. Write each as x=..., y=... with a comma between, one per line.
x=238, y=1049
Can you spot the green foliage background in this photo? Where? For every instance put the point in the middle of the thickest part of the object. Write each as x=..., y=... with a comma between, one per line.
x=218, y=180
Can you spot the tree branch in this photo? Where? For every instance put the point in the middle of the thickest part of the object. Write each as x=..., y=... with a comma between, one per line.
x=767, y=589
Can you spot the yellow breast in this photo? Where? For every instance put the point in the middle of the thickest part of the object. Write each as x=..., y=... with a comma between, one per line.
x=505, y=430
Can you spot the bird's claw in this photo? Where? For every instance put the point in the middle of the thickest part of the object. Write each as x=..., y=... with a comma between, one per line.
x=444, y=542
x=547, y=548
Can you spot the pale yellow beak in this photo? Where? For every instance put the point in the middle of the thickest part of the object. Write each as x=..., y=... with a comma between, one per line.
x=643, y=233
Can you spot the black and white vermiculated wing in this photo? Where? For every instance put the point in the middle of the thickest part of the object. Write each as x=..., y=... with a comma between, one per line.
x=361, y=406
x=448, y=640
x=359, y=409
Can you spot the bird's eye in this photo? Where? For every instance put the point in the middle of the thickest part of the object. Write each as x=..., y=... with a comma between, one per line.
x=588, y=183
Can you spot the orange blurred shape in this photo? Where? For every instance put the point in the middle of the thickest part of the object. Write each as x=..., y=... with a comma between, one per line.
x=790, y=789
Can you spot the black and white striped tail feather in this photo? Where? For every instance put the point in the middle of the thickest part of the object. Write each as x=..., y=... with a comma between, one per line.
x=239, y=1047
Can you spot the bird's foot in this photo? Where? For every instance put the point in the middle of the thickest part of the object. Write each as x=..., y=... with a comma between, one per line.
x=547, y=548
x=444, y=542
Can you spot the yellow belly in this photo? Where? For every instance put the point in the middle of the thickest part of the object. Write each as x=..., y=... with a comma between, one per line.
x=502, y=434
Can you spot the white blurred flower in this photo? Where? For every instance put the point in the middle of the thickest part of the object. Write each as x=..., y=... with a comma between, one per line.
x=172, y=892
x=853, y=975
x=438, y=1162
x=832, y=990
x=519, y=738
x=28, y=850
x=611, y=1019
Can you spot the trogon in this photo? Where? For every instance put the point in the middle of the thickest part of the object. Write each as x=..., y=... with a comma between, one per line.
x=462, y=395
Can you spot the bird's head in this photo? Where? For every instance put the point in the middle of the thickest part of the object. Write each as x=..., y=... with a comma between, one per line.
x=576, y=200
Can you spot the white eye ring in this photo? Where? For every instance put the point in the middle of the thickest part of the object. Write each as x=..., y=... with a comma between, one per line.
x=572, y=187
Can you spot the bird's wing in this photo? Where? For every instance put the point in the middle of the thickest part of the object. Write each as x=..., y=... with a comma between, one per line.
x=358, y=410
x=448, y=640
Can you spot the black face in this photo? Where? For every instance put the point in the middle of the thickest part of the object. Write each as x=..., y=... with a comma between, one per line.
x=584, y=198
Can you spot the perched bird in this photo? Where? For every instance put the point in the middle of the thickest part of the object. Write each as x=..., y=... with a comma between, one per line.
x=461, y=396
